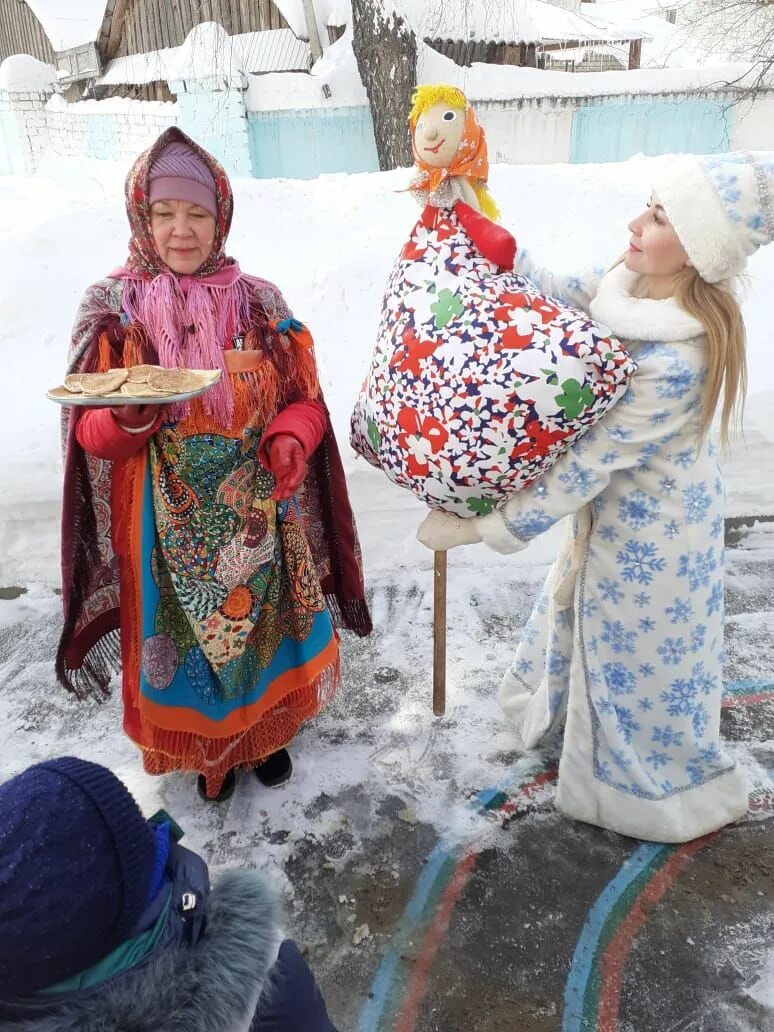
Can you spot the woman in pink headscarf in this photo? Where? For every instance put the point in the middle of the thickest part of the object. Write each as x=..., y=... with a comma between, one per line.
x=209, y=541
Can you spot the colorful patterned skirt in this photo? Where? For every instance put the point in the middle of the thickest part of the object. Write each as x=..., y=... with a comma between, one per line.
x=227, y=644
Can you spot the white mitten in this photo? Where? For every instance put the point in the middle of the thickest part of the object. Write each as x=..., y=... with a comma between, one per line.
x=440, y=531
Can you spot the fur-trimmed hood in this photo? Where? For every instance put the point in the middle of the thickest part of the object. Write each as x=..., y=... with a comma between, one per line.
x=640, y=318
x=212, y=987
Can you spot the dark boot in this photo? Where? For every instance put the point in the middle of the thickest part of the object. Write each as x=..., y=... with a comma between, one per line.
x=226, y=789
x=275, y=769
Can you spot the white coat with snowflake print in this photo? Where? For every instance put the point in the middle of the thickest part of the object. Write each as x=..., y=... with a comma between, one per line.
x=625, y=645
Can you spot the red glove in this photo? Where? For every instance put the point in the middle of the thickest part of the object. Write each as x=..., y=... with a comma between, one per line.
x=493, y=241
x=288, y=464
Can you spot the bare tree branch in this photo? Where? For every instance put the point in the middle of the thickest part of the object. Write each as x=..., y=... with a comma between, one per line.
x=739, y=31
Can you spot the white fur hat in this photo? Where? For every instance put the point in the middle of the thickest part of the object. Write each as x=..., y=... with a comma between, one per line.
x=721, y=207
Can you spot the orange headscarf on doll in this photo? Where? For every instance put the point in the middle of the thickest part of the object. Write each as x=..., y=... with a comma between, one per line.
x=471, y=159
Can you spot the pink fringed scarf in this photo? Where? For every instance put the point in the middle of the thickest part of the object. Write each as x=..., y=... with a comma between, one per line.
x=187, y=319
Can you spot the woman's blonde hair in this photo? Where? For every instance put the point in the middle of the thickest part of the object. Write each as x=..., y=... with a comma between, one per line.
x=716, y=308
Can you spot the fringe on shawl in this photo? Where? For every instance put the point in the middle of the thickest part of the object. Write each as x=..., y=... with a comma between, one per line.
x=351, y=615
x=92, y=676
x=215, y=757
x=343, y=588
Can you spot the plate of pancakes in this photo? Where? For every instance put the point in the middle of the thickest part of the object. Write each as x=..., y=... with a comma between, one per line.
x=137, y=385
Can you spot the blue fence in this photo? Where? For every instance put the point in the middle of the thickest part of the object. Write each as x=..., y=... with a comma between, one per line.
x=614, y=131
x=305, y=144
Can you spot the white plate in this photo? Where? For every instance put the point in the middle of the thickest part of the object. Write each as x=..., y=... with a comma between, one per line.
x=90, y=401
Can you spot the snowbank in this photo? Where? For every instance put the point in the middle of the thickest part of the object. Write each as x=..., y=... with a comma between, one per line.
x=207, y=51
x=336, y=69
x=110, y=106
x=21, y=73
x=507, y=82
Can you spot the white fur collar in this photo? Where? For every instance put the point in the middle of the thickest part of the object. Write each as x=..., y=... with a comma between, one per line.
x=634, y=318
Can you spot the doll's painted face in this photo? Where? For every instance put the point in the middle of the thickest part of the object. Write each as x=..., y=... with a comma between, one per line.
x=438, y=134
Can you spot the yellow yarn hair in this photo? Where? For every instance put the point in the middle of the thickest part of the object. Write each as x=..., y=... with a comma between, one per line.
x=487, y=202
x=424, y=97
x=427, y=95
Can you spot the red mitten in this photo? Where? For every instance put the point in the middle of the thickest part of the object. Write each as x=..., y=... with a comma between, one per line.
x=288, y=464
x=493, y=241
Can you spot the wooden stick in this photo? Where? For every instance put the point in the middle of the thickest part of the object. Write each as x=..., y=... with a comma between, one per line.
x=439, y=635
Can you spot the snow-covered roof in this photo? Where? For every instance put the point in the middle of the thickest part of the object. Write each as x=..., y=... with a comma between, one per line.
x=293, y=13
x=327, y=12
x=508, y=21
x=69, y=23
x=275, y=50
x=623, y=17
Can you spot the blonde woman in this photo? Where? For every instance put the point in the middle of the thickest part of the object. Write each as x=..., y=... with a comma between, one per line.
x=625, y=645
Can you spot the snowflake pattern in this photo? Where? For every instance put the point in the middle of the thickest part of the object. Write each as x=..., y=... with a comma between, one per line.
x=529, y=524
x=615, y=634
x=681, y=611
x=715, y=600
x=680, y=697
x=679, y=380
x=578, y=480
x=619, y=679
x=640, y=561
x=638, y=510
x=698, y=567
x=627, y=725
x=610, y=590
x=650, y=604
x=672, y=651
x=696, y=502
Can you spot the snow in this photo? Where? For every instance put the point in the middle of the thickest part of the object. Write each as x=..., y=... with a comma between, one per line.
x=504, y=82
x=327, y=12
x=509, y=21
x=207, y=51
x=69, y=23
x=293, y=13
x=275, y=50
x=763, y=990
x=111, y=106
x=349, y=233
x=21, y=73
x=336, y=69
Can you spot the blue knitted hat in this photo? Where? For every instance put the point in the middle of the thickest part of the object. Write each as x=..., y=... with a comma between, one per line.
x=76, y=866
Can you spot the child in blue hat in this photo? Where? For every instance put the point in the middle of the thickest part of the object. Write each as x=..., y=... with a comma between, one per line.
x=109, y=923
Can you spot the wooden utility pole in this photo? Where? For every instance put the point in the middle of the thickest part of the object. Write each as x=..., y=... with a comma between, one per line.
x=311, y=28
x=439, y=634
